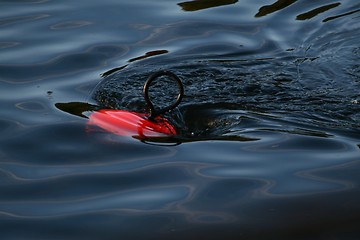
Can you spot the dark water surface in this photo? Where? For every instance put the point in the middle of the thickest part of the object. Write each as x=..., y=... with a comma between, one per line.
x=269, y=127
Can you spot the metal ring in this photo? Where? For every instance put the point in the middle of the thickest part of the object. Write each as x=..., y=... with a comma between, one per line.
x=153, y=112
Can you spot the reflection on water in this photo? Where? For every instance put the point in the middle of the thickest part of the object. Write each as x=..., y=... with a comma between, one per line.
x=149, y=54
x=69, y=25
x=196, y=191
x=341, y=15
x=196, y=5
x=22, y=19
x=76, y=108
x=73, y=63
x=281, y=4
x=316, y=11
x=277, y=6
x=269, y=126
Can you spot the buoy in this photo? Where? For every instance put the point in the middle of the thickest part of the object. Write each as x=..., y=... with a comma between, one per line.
x=131, y=124
x=139, y=125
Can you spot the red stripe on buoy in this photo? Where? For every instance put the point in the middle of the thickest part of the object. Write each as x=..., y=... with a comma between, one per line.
x=131, y=124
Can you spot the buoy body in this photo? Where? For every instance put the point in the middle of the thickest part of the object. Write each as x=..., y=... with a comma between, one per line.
x=131, y=124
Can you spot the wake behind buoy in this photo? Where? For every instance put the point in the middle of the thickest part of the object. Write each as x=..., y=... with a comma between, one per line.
x=140, y=125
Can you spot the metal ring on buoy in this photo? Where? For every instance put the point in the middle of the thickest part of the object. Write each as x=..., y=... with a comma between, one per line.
x=156, y=112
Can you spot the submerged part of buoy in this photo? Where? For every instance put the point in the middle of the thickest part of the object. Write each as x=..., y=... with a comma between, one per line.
x=131, y=124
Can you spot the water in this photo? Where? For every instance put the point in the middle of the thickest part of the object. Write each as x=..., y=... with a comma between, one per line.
x=269, y=139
